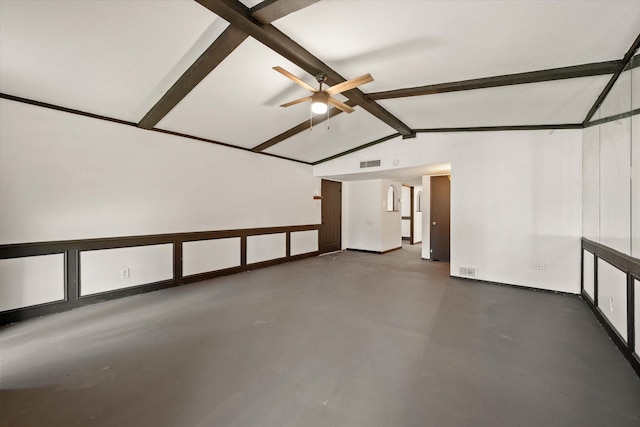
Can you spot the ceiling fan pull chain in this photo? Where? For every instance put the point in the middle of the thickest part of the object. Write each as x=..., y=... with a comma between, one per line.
x=310, y=120
x=328, y=119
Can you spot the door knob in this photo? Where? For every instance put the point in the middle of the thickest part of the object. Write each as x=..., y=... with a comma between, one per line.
x=433, y=223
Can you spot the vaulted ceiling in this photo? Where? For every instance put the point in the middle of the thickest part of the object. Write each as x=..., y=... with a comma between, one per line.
x=203, y=68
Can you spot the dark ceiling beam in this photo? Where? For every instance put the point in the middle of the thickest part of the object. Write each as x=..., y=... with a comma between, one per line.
x=272, y=10
x=625, y=60
x=586, y=70
x=461, y=129
x=298, y=128
x=361, y=147
x=239, y=16
x=222, y=47
x=226, y=43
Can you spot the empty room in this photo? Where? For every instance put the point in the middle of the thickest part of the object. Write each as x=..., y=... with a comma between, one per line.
x=339, y=213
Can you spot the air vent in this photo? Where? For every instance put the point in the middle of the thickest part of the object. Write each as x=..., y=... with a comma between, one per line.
x=468, y=272
x=369, y=164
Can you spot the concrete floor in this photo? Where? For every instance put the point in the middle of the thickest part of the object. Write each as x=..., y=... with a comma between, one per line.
x=350, y=339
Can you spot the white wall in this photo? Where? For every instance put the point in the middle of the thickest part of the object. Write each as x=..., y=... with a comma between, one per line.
x=366, y=224
x=417, y=215
x=612, y=296
x=102, y=270
x=405, y=211
x=31, y=281
x=64, y=176
x=391, y=224
x=611, y=175
x=515, y=200
x=202, y=256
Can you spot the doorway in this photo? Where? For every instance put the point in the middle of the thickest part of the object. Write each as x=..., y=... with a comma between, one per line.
x=331, y=228
x=440, y=218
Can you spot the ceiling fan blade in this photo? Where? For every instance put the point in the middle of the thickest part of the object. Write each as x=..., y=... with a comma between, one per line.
x=349, y=84
x=297, y=101
x=294, y=78
x=340, y=105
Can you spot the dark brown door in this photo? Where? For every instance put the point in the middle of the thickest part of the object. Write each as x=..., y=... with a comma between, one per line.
x=331, y=229
x=440, y=218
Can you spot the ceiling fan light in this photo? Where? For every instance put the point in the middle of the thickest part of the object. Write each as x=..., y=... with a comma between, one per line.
x=319, y=107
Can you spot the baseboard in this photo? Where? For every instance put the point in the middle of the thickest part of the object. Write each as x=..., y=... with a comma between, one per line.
x=374, y=252
x=613, y=334
x=72, y=269
x=527, y=288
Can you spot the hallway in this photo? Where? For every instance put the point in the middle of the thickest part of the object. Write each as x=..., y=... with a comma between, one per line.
x=346, y=339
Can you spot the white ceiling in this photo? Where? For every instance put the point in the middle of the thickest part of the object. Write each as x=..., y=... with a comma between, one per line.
x=117, y=58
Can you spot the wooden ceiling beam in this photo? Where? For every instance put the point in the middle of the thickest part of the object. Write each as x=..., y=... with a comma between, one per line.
x=239, y=16
x=625, y=60
x=217, y=52
x=272, y=10
x=298, y=128
x=586, y=70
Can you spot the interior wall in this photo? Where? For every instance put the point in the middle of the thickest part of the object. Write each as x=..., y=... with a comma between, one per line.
x=69, y=177
x=405, y=211
x=391, y=224
x=515, y=200
x=64, y=176
x=367, y=225
x=611, y=164
x=611, y=191
x=417, y=214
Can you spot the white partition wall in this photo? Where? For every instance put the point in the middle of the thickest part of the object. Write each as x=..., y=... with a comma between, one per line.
x=303, y=242
x=203, y=256
x=111, y=269
x=31, y=281
x=611, y=169
x=612, y=296
x=588, y=279
x=85, y=186
x=266, y=247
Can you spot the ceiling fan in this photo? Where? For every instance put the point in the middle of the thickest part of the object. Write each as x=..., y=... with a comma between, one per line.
x=320, y=97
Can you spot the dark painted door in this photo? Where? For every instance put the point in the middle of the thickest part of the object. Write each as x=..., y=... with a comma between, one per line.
x=331, y=229
x=440, y=218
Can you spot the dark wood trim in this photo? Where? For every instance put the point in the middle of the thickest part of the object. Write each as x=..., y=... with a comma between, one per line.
x=358, y=148
x=272, y=10
x=232, y=37
x=446, y=130
x=239, y=15
x=581, y=270
x=412, y=216
x=511, y=285
x=613, y=118
x=501, y=128
x=177, y=260
x=621, y=261
x=631, y=268
x=72, y=249
x=633, y=63
x=406, y=218
x=72, y=275
x=64, y=109
x=585, y=70
x=613, y=334
x=288, y=244
x=224, y=144
x=217, y=52
x=625, y=60
x=631, y=326
x=374, y=252
x=297, y=129
x=123, y=122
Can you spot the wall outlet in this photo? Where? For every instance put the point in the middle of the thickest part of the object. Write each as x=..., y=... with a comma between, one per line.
x=538, y=265
x=125, y=273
